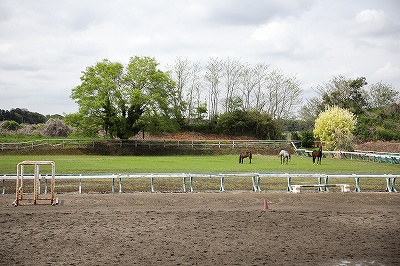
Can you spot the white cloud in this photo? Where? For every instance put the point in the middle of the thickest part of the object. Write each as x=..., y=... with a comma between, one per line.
x=387, y=72
x=276, y=35
x=370, y=16
x=46, y=44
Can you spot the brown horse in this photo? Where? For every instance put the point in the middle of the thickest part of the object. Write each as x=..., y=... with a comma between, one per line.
x=317, y=154
x=245, y=155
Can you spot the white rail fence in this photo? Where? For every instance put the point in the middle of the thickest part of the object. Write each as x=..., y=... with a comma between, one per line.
x=188, y=178
x=81, y=143
x=372, y=156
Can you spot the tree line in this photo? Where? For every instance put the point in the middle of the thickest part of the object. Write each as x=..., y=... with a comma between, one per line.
x=376, y=106
x=223, y=96
x=22, y=116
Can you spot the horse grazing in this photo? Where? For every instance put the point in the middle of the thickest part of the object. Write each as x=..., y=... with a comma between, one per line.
x=284, y=156
x=317, y=154
x=245, y=155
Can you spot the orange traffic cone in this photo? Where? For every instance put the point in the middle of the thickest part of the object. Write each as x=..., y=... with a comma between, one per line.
x=265, y=205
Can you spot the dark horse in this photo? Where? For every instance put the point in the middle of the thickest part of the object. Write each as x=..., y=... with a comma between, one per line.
x=317, y=154
x=244, y=155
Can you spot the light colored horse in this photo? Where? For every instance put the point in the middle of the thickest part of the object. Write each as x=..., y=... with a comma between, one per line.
x=284, y=156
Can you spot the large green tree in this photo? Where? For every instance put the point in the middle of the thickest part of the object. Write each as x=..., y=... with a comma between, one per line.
x=123, y=100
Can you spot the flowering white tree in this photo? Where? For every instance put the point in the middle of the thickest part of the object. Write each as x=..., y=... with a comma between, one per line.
x=335, y=127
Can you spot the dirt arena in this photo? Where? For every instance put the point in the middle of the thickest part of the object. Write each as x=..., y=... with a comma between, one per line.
x=231, y=228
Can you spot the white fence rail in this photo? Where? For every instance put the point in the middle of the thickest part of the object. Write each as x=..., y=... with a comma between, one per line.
x=381, y=157
x=80, y=143
x=187, y=179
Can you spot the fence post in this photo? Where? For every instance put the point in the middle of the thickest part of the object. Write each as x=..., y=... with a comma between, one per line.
x=222, y=184
x=388, y=187
x=152, y=183
x=112, y=185
x=289, y=185
x=320, y=183
x=358, y=189
x=191, y=183
x=80, y=184
x=4, y=186
x=326, y=183
x=120, y=184
x=394, y=184
x=258, y=182
x=254, y=183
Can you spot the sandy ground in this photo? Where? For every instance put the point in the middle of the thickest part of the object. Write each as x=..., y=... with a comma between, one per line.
x=232, y=228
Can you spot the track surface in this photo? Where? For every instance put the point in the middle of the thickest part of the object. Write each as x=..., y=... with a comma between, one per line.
x=231, y=228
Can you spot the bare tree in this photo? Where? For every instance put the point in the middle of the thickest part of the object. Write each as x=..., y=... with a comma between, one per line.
x=283, y=94
x=260, y=79
x=180, y=72
x=213, y=76
x=248, y=83
x=382, y=94
x=232, y=71
x=193, y=95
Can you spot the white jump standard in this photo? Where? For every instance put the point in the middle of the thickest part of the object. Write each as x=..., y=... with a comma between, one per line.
x=19, y=187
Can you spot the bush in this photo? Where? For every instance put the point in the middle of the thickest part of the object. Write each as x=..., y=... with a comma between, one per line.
x=259, y=125
x=11, y=125
x=307, y=139
x=385, y=134
x=56, y=128
x=335, y=125
x=294, y=135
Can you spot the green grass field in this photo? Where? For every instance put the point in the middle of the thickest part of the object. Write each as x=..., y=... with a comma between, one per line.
x=84, y=164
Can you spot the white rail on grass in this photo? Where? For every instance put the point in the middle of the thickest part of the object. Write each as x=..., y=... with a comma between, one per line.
x=322, y=179
x=381, y=157
x=81, y=143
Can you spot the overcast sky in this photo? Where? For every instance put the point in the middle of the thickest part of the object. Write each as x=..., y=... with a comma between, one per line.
x=45, y=44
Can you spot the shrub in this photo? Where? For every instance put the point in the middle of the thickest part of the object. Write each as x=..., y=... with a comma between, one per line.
x=307, y=139
x=335, y=127
x=56, y=128
x=11, y=125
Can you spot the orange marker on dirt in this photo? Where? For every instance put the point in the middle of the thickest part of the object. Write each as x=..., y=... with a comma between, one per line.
x=265, y=205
